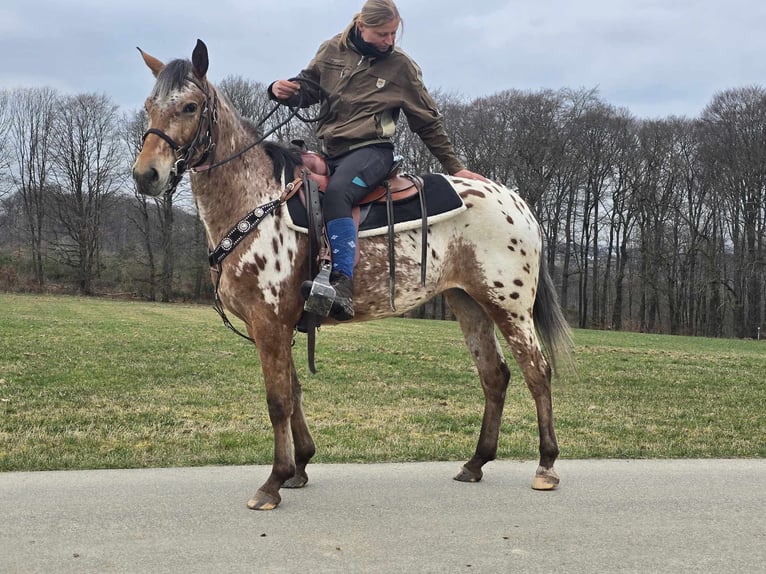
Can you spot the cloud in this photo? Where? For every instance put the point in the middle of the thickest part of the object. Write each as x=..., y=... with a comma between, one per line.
x=654, y=57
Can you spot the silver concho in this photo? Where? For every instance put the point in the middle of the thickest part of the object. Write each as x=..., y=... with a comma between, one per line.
x=226, y=244
x=258, y=213
x=243, y=226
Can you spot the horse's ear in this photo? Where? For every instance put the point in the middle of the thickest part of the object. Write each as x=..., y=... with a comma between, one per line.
x=154, y=64
x=199, y=60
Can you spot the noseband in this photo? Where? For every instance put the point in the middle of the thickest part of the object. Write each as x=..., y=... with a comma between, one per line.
x=201, y=146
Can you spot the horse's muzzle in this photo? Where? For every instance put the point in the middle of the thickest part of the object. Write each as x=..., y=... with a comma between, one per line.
x=149, y=182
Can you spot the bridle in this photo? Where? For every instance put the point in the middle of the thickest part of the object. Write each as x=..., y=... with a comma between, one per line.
x=203, y=144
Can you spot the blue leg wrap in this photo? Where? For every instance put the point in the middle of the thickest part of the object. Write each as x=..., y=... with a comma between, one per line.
x=342, y=236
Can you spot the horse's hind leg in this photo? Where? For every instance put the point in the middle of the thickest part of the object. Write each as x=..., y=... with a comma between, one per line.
x=304, y=444
x=537, y=375
x=479, y=332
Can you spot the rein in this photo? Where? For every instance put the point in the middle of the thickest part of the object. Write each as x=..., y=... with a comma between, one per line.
x=294, y=113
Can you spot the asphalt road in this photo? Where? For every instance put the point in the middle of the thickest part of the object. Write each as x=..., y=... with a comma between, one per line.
x=607, y=516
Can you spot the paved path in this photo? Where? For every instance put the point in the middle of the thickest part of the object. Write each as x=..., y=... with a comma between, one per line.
x=607, y=516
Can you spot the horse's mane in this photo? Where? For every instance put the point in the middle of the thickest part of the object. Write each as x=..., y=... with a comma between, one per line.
x=284, y=159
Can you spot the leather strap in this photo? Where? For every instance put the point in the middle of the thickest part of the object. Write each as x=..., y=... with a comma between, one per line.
x=315, y=223
x=423, y=227
x=391, y=256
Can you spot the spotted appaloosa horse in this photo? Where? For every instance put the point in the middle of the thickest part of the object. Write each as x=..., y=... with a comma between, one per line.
x=486, y=261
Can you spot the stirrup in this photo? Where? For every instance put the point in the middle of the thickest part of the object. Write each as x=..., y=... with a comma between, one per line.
x=322, y=294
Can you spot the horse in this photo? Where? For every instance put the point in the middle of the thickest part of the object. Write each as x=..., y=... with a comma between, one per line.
x=487, y=261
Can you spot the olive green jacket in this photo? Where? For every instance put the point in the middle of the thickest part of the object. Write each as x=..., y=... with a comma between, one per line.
x=365, y=97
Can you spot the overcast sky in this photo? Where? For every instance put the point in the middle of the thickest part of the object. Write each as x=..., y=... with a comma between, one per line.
x=655, y=57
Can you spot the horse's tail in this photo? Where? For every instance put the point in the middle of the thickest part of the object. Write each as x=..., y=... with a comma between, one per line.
x=552, y=327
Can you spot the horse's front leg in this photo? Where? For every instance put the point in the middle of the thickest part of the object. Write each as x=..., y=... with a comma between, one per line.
x=275, y=352
x=304, y=444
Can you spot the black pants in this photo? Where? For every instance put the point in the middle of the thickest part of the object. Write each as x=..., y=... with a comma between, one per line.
x=354, y=175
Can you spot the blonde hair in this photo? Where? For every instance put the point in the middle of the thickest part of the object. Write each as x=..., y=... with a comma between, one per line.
x=374, y=13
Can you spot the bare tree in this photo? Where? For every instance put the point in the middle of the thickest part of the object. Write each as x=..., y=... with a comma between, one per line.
x=534, y=153
x=4, y=147
x=618, y=210
x=31, y=119
x=559, y=207
x=598, y=140
x=735, y=126
x=87, y=159
x=481, y=133
x=691, y=230
x=625, y=205
x=249, y=98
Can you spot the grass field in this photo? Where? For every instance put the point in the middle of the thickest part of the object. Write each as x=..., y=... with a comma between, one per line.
x=95, y=383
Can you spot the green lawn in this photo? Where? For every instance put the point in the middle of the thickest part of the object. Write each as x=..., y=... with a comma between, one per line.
x=96, y=383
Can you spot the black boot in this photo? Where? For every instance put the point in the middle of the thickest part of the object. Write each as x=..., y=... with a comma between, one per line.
x=343, y=306
x=306, y=289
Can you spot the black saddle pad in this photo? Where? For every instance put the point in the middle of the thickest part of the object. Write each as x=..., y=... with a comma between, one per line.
x=441, y=199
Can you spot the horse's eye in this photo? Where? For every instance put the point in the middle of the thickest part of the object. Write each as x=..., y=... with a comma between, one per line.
x=190, y=108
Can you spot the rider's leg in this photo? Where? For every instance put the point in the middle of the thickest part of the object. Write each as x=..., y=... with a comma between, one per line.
x=353, y=176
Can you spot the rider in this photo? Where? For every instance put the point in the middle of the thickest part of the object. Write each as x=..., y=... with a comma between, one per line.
x=368, y=81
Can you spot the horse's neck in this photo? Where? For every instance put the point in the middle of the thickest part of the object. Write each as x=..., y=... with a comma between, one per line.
x=228, y=192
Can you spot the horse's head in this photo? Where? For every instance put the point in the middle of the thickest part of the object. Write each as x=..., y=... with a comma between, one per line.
x=181, y=110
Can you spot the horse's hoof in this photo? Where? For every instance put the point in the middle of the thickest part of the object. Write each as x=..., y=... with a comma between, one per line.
x=264, y=501
x=466, y=475
x=297, y=481
x=545, y=479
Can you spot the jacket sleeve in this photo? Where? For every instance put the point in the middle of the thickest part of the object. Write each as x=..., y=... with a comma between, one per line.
x=425, y=120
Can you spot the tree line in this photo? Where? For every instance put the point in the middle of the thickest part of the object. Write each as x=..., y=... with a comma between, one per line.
x=654, y=225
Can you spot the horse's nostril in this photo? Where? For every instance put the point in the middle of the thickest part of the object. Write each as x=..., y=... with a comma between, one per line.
x=146, y=177
x=146, y=181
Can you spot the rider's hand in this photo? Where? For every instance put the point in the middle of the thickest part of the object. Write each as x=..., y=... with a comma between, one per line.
x=284, y=89
x=467, y=174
